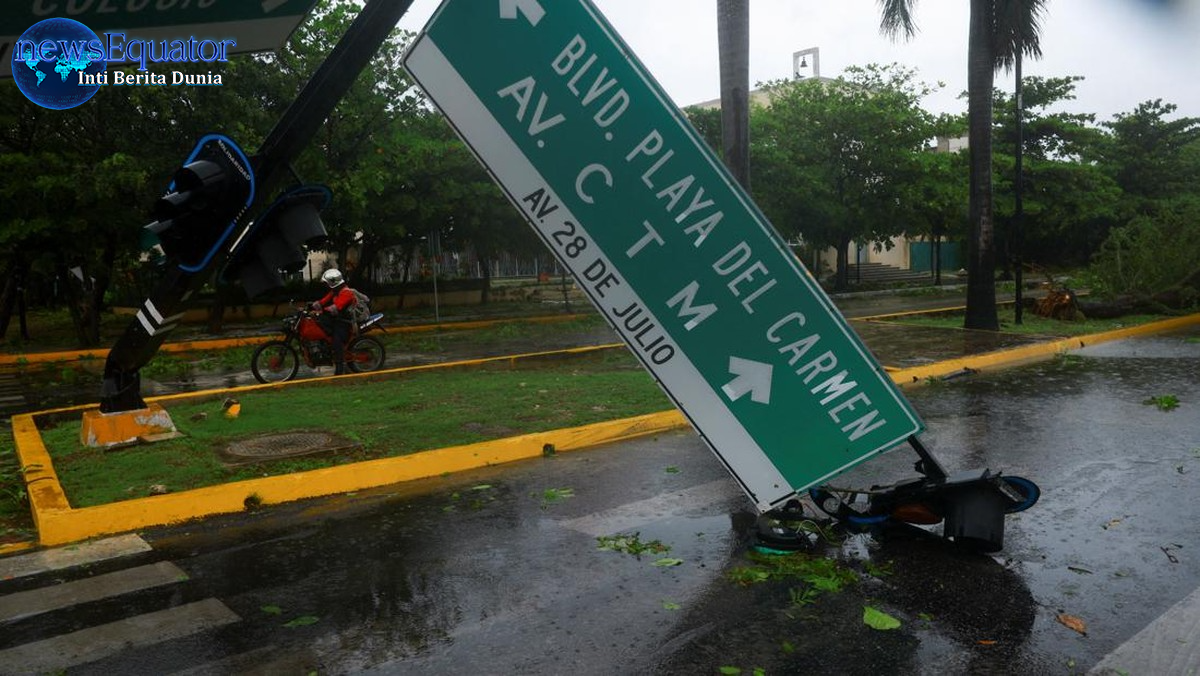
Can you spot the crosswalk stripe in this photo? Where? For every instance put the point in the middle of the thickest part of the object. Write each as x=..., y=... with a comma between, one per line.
x=36, y=601
x=67, y=557
x=638, y=513
x=95, y=643
x=1168, y=645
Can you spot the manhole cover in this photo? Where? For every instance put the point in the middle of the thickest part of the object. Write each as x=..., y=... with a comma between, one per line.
x=282, y=446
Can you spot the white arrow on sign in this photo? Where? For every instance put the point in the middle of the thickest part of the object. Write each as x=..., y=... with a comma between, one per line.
x=532, y=10
x=753, y=378
x=272, y=5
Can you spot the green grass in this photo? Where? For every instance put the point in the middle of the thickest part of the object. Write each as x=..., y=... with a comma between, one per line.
x=415, y=412
x=1033, y=324
x=16, y=523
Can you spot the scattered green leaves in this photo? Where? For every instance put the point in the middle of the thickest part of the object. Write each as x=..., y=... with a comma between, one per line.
x=272, y=610
x=670, y=605
x=1164, y=402
x=630, y=543
x=668, y=563
x=552, y=495
x=819, y=575
x=879, y=620
x=672, y=469
x=302, y=621
x=746, y=575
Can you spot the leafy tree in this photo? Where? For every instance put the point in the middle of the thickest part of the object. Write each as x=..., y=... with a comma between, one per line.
x=835, y=162
x=1156, y=162
x=1070, y=202
x=1000, y=30
x=1153, y=158
x=707, y=122
x=1154, y=255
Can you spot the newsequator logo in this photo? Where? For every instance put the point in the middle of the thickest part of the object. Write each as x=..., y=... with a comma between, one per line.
x=60, y=63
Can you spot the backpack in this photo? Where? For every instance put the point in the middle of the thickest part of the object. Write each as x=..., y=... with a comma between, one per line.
x=361, y=310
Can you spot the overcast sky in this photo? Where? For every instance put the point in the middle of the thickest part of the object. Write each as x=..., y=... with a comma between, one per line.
x=1129, y=51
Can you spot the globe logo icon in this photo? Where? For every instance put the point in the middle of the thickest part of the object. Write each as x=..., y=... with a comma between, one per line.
x=50, y=60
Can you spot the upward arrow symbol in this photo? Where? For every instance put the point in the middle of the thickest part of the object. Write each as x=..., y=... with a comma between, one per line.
x=532, y=10
x=753, y=378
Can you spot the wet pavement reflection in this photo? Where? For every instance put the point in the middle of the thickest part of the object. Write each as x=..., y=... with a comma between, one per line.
x=498, y=570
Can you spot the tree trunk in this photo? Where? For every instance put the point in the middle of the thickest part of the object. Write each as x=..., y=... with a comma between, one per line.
x=8, y=300
x=842, y=276
x=733, y=44
x=936, y=255
x=79, y=302
x=981, y=255
x=407, y=250
x=486, y=268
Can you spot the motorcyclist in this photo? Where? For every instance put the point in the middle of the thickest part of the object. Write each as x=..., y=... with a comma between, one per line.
x=335, y=315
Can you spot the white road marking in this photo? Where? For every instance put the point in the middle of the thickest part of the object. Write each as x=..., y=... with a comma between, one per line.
x=1168, y=645
x=46, y=599
x=95, y=643
x=71, y=555
x=634, y=514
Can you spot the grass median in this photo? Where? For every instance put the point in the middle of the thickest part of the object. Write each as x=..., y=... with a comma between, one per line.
x=401, y=415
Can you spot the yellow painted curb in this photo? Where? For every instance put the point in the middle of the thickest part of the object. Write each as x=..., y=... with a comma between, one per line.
x=58, y=523
x=16, y=548
x=226, y=343
x=1037, y=351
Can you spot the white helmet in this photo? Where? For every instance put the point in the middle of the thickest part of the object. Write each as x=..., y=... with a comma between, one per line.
x=333, y=279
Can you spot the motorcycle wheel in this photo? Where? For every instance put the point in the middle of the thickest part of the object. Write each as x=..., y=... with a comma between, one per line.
x=274, y=362
x=365, y=353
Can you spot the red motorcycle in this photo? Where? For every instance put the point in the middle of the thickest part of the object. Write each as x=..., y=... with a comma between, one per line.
x=277, y=361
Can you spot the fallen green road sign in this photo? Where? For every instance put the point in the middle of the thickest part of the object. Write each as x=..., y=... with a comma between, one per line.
x=669, y=248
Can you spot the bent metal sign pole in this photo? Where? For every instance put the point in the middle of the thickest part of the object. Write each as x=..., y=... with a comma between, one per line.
x=664, y=242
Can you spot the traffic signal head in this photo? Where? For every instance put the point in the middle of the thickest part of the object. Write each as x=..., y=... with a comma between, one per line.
x=279, y=240
x=200, y=210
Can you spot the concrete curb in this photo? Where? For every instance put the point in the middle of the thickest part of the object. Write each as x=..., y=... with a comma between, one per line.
x=1035, y=352
x=57, y=523
x=226, y=343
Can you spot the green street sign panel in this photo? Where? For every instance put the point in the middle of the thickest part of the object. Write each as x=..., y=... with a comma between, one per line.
x=657, y=233
x=256, y=25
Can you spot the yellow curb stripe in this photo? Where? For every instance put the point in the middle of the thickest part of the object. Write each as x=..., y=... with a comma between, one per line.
x=59, y=525
x=1028, y=353
x=910, y=313
x=244, y=341
x=16, y=547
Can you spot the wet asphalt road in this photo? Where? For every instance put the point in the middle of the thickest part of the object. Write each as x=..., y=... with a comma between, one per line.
x=498, y=571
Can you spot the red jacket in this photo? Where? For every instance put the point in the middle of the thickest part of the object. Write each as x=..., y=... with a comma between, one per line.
x=340, y=299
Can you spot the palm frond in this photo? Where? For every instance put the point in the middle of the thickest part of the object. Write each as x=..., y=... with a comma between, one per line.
x=897, y=18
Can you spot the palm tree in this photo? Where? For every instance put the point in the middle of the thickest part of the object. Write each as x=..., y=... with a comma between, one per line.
x=999, y=29
x=733, y=40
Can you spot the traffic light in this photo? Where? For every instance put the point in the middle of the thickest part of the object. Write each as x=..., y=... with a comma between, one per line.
x=207, y=196
x=278, y=241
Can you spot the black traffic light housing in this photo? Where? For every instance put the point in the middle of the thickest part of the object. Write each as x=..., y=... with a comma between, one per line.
x=278, y=241
x=207, y=196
